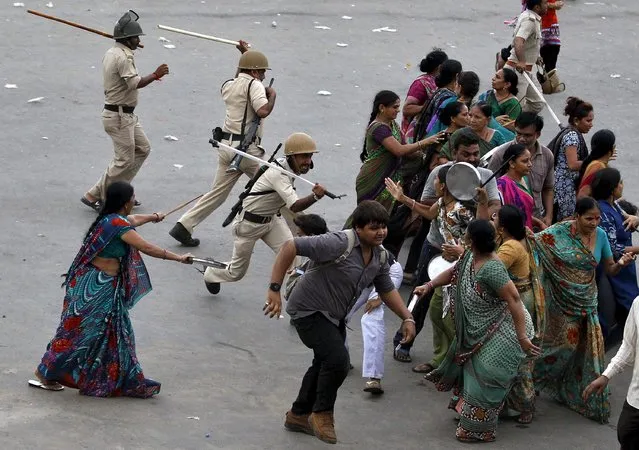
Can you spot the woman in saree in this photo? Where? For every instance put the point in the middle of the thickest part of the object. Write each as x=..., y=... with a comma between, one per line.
x=602, y=150
x=465, y=92
x=383, y=151
x=93, y=349
x=573, y=350
x=514, y=185
x=479, y=117
x=607, y=188
x=493, y=336
x=502, y=98
x=423, y=88
x=515, y=252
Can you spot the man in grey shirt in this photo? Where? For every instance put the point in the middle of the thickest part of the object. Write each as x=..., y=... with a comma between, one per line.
x=320, y=301
x=466, y=150
x=528, y=128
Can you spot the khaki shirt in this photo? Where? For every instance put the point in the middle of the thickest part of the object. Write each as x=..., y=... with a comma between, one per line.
x=234, y=95
x=528, y=28
x=120, y=76
x=542, y=173
x=272, y=180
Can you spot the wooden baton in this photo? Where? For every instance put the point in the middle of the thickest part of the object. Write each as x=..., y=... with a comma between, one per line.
x=73, y=24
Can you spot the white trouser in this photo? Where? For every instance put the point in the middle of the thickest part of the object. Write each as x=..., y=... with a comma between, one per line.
x=373, y=327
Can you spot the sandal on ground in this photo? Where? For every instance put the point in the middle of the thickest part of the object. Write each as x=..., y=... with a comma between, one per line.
x=95, y=205
x=43, y=383
x=525, y=418
x=424, y=368
x=402, y=355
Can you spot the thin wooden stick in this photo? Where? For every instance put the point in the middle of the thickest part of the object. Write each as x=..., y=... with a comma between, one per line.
x=198, y=35
x=177, y=208
x=73, y=24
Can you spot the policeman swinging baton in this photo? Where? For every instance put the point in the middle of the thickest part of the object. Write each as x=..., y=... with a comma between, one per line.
x=76, y=25
x=261, y=162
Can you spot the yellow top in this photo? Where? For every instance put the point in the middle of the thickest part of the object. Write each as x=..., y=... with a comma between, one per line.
x=516, y=259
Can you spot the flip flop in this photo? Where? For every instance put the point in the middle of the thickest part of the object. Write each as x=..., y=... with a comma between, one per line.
x=46, y=387
x=96, y=205
x=401, y=355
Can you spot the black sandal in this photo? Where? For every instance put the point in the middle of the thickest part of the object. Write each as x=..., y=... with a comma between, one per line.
x=402, y=355
x=95, y=205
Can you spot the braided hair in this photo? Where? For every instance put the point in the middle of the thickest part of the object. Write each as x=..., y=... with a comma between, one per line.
x=117, y=195
x=383, y=98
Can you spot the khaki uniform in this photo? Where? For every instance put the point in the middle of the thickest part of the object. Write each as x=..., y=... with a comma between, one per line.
x=528, y=28
x=234, y=95
x=130, y=144
x=246, y=232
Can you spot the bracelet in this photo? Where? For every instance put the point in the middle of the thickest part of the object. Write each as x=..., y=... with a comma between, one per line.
x=316, y=198
x=409, y=319
x=523, y=338
x=164, y=256
x=157, y=217
x=430, y=285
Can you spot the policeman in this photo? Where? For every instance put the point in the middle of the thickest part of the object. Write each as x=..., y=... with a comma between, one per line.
x=245, y=97
x=121, y=84
x=260, y=217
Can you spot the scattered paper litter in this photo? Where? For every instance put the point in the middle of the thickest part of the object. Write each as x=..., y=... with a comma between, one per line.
x=193, y=418
x=315, y=23
x=338, y=145
x=341, y=44
x=11, y=86
x=163, y=39
x=257, y=23
x=35, y=100
x=386, y=29
x=274, y=24
x=603, y=17
x=40, y=235
x=615, y=75
x=323, y=93
x=179, y=166
x=169, y=46
x=168, y=137
x=19, y=5
x=347, y=17
x=44, y=138
x=322, y=27
x=49, y=5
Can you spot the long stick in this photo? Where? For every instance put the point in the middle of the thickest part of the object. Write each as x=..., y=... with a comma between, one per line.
x=199, y=35
x=177, y=208
x=552, y=113
x=271, y=165
x=73, y=24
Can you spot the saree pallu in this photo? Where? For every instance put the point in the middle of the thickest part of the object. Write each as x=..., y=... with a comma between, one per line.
x=93, y=349
x=484, y=357
x=573, y=348
x=418, y=127
x=589, y=174
x=515, y=194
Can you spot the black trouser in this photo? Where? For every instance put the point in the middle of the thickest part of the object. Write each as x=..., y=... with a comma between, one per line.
x=421, y=308
x=330, y=363
x=550, y=53
x=628, y=428
x=416, y=247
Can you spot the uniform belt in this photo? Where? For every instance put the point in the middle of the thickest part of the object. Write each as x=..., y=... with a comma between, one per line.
x=232, y=137
x=116, y=108
x=256, y=218
x=513, y=65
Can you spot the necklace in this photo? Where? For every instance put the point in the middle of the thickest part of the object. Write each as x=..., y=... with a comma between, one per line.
x=585, y=239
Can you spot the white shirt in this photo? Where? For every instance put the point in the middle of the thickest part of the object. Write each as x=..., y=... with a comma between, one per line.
x=625, y=357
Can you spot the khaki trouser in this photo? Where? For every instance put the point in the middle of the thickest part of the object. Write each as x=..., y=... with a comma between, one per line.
x=131, y=148
x=245, y=235
x=529, y=100
x=222, y=185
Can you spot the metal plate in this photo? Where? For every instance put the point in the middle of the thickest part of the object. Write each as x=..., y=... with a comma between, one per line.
x=438, y=265
x=462, y=180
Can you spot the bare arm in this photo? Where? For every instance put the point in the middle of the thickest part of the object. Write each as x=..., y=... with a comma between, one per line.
x=396, y=148
x=150, y=78
x=428, y=211
x=135, y=240
x=309, y=200
x=612, y=268
x=519, y=45
x=548, y=199
x=138, y=220
x=510, y=295
x=284, y=260
x=572, y=159
x=265, y=110
x=411, y=108
x=396, y=304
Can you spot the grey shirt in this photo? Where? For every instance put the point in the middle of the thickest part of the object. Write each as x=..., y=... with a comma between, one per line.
x=434, y=237
x=542, y=174
x=333, y=289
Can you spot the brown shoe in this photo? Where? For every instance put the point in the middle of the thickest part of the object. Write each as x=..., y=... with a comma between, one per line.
x=323, y=426
x=298, y=423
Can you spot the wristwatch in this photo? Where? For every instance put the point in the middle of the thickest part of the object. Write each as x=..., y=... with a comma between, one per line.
x=275, y=287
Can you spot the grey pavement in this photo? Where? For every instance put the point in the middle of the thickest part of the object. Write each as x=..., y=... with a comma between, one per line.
x=218, y=358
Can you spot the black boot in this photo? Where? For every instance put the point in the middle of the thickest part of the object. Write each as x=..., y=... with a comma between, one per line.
x=182, y=235
x=213, y=288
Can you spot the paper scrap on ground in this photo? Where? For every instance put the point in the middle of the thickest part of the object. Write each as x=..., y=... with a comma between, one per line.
x=338, y=145
x=615, y=75
x=274, y=24
x=163, y=39
x=322, y=27
x=257, y=23
x=11, y=86
x=35, y=100
x=169, y=46
x=168, y=137
x=386, y=29
x=19, y=5
x=179, y=166
x=50, y=5
x=44, y=138
x=341, y=44
x=323, y=93
x=347, y=17
x=193, y=418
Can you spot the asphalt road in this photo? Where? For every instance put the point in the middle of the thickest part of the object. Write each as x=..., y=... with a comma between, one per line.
x=218, y=358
